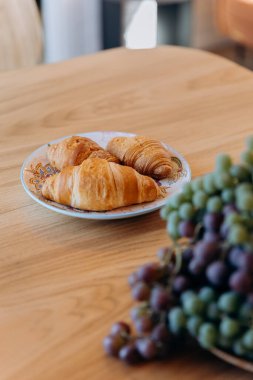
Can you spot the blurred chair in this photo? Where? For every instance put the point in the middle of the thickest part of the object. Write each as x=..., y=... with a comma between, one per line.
x=235, y=20
x=20, y=34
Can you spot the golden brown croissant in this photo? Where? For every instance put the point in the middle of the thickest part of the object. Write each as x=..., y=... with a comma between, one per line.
x=74, y=150
x=99, y=185
x=145, y=155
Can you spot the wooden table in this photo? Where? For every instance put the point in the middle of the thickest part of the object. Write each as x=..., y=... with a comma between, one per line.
x=63, y=281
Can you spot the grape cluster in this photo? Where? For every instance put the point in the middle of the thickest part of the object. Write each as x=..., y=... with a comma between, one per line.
x=151, y=288
x=215, y=319
x=202, y=285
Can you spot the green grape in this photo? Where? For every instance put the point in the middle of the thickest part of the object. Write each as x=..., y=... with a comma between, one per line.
x=238, y=348
x=187, y=294
x=213, y=313
x=225, y=343
x=193, y=305
x=249, y=142
x=223, y=180
x=223, y=162
x=229, y=327
x=169, y=204
x=228, y=195
x=247, y=157
x=247, y=339
x=208, y=335
x=174, y=217
x=164, y=213
x=187, y=191
x=197, y=184
x=172, y=229
x=233, y=218
x=177, y=200
x=193, y=324
x=238, y=234
x=186, y=211
x=209, y=184
x=177, y=320
x=229, y=302
x=214, y=204
x=207, y=294
x=200, y=199
x=243, y=188
x=245, y=313
x=240, y=173
x=245, y=202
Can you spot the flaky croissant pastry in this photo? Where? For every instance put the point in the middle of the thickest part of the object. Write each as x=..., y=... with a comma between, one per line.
x=99, y=185
x=145, y=155
x=74, y=150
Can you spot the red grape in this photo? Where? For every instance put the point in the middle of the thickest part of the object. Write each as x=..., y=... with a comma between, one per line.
x=120, y=328
x=217, y=273
x=129, y=354
x=186, y=229
x=212, y=221
x=141, y=291
x=241, y=282
x=146, y=348
x=206, y=251
x=160, y=298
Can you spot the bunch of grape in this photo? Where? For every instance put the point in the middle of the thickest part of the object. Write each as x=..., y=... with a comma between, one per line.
x=203, y=284
x=221, y=320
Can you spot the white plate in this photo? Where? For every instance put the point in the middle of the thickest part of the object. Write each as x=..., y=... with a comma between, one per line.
x=36, y=169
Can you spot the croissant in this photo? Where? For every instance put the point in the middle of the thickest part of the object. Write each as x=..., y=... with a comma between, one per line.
x=99, y=185
x=145, y=155
x=74, y=150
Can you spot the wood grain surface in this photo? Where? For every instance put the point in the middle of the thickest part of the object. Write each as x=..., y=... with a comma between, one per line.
x=63, y=281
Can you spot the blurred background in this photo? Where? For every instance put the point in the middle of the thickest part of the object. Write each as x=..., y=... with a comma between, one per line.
x=47, y=31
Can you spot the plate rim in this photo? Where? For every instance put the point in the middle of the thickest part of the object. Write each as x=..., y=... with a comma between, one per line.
x=232, y=359
x=93, y=215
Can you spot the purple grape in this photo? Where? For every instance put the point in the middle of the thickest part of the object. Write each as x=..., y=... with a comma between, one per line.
x=180, y=284
x=246, y=262
x=211, y=236
x=196, y=267
x=163, y=253
x=113, y=344
x=140, y=291
x=212, y=221
x=224, y=230
x=132, y=279
x=120, y=328
x=129, y=354
x=143, y=324
x=186, y=229
x=217, y=273
x=241, y=282
x=148, y=273
x=137, y=312
x=160, y=333
x=187, y=254
x=234, y=257
x=160, y=298
x=146, y=348
x=206, y=251
x=229, y=209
